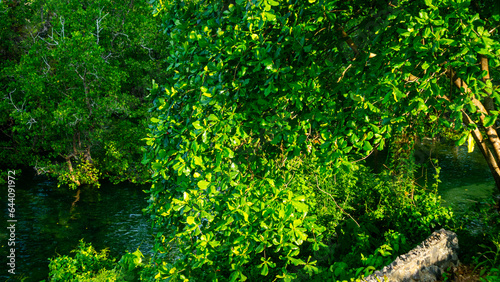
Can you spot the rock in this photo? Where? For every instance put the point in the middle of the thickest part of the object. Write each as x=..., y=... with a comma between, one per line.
x=425, y=263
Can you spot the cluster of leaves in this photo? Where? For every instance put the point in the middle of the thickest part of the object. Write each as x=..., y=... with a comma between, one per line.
x=248, y=96
x=90, y=265
x=255, y=90
x=74, y=95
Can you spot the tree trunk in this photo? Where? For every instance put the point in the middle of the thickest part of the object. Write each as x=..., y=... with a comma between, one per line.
x=70, y=167
x=485, y=150
x=492, y=155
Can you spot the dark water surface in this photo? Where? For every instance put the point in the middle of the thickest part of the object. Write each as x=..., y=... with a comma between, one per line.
x=47, y=224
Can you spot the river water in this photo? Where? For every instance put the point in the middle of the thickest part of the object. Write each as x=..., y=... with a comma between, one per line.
x=47, y=224
x=111, y=216
x=465, y=177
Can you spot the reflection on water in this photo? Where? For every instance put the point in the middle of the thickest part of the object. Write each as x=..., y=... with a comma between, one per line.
x=108, y=217
x=465, y=177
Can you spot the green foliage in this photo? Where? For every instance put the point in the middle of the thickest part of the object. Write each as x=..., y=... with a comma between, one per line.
x=259, y=108
x=90, y=265
x=490, y=259
x=132, y=267
x=435, y=67
x=382, y=256
x=85, y=266
x=84, y=172
x=75, y=96
x=477, y=229
x=13, y=16
x=393, y=217
x=232, y=121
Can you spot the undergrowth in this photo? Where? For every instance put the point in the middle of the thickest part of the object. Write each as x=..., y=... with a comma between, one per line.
x=478, y=230
x=370, y=219
x=90, y=265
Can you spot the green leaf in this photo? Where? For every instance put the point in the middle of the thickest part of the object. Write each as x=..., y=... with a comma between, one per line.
x=296, y=261
x=447, y=41
x=300, y=207
x=269, y=16
x=190, y=220
x=245, y=215
x=367, y=146
x=268, y=63
x=462, y=139
x=276, y=139
x=489, y=120
x=203, y=184
x=197, y=125
x=234, y=275
x=162, y=153
x=265, y=270
x=228, y=153
x=273, y=2
x=198, y=161
x=212, y=117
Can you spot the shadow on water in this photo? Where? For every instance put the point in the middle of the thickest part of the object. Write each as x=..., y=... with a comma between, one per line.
x=47, y=224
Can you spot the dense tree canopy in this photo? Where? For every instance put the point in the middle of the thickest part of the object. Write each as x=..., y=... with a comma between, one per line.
x=75, y=101
x=257, y=90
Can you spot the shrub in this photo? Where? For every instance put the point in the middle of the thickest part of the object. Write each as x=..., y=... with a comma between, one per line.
x=90, y=265
x=369, y=219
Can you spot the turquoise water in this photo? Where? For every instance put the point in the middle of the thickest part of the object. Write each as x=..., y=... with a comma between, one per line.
x=108, y=217
x=465, y=177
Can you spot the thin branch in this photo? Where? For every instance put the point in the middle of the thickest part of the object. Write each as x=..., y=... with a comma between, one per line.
x=31, y=122
x=120, y=33
x=52, y=44
x=149, y=51
x=349, y=42
x=98, y=23
x=39, y=170
x=44, y=58
x=373, y=150
x=52, y=38
x=317, y=184
x=491, y=31
x=32, y=36
x=343, y=73
x=9, y=97
x=61, y=21
x=94, y=73
x=82, y=77
x=319, y=31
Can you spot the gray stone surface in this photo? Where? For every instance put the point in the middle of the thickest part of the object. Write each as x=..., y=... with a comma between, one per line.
x=425, y=263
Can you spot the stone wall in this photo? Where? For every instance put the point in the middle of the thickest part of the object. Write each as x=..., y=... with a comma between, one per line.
x=425, y=263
